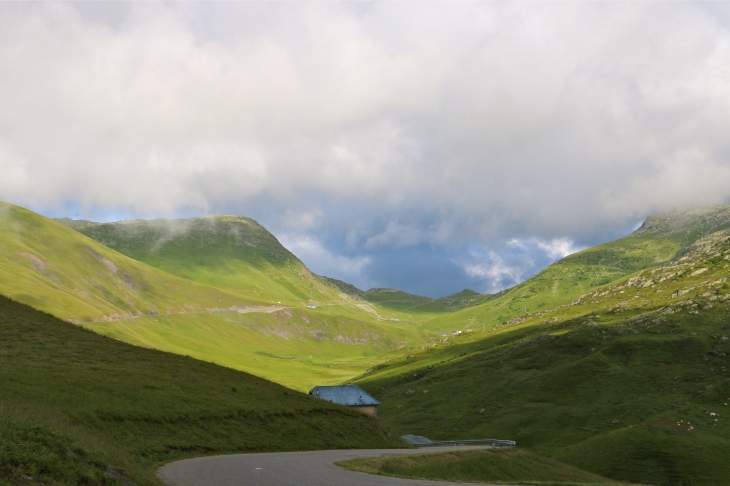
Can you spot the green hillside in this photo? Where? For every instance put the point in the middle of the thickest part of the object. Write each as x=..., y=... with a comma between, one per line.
x=228, y=252
x=397, y=300
x=653, y=244
x=418, y=307
x=55, y=269
x=628, y=380
x=297, y=347
x=73, y=402
x=60, y=271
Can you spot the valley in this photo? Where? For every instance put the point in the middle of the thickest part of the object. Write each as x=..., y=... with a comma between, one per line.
x=257, y=319
x=612, y=360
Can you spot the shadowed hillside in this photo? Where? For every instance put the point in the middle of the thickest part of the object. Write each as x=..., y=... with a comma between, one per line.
x=628, y=380
x=652, y=245
x=411, y=304
x=73, y=402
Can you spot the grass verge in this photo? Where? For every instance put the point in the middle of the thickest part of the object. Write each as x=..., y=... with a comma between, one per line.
x=496, y=466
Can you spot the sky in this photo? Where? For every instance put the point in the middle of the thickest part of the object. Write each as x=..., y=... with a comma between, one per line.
x=427, y=146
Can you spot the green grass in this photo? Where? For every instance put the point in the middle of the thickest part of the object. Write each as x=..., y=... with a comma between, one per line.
x=299, y=348
x=65, y=388
x=55, y=269
x=590, y=362
x=562, y=282
x=420, y=306
x=651, y=246
x=239, y=255
x=494, y=466
x=58, y=270
x=228, y=252
x=610, y=385
x=31, y=452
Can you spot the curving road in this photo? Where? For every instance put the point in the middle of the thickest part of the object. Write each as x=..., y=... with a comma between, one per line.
x=314, y=468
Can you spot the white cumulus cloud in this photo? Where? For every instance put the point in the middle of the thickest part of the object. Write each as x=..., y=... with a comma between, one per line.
x=384, y=125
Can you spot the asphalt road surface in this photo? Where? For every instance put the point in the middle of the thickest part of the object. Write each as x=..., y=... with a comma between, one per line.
x=314, y=468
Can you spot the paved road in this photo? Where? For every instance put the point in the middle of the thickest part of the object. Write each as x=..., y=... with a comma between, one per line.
x=315, y=468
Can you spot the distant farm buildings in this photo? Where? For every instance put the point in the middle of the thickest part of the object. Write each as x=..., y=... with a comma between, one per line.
x=348, y=395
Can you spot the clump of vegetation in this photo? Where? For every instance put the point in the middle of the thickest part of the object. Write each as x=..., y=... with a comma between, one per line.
x=494, y=466
x=30, y=452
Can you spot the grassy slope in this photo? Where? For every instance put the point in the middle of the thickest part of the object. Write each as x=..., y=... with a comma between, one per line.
x=237, y=253
x=622, y=384
x=491, y=466
x=229, y=252
x=555, y=286
x=52, y=268
x=55, y=269
x=73, y=401
x=299, y=348
x=655, y=243
x=409, y=305
x=417, y=305
x=562, y=282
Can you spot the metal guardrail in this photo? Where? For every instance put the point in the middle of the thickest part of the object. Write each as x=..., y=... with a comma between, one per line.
x=420, y=441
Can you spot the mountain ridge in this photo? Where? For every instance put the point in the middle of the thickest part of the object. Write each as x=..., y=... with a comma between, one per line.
x=225, y=251
x=58, y=270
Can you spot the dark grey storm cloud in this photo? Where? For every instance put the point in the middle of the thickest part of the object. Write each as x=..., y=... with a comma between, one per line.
x=469, y=133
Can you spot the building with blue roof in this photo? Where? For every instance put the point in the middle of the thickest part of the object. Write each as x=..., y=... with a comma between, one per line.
x=348, y=395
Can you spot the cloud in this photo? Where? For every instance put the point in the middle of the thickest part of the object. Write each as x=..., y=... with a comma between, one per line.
x=558, y=248
x=495, y=269
x=373, y=127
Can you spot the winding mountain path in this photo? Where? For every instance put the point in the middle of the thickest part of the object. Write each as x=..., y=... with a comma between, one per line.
x=313, y=468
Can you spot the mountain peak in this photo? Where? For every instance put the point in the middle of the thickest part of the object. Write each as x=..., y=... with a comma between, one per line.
x=685, y=225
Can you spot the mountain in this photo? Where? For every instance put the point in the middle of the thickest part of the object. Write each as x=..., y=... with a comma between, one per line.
x=228, y=252
x=614, y=359
x=73, y=402
x=628, y=380
x=654, y=243
x=400, y=301
x=57, y=270
x=345, y=287
x=685, y=225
